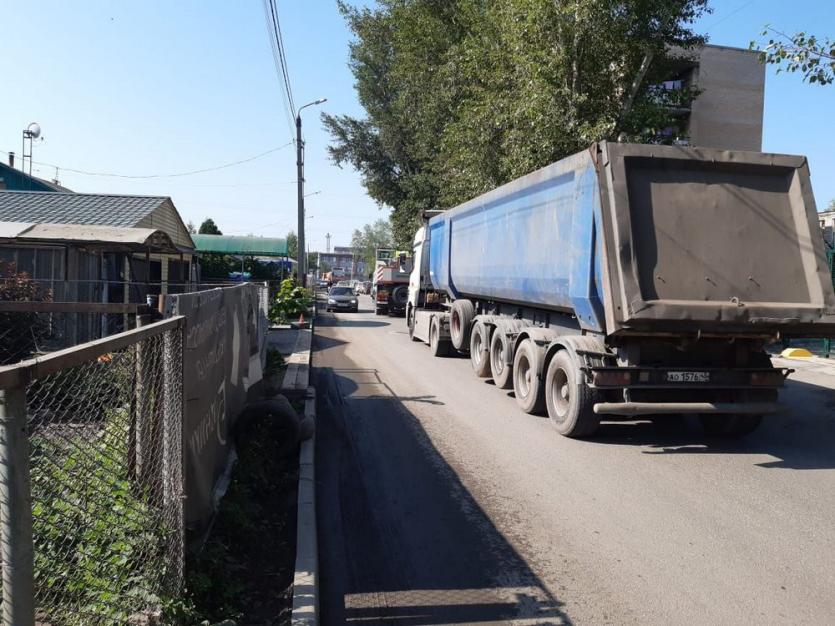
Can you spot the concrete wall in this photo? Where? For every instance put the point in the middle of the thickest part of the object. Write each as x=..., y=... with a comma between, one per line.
x=729, y=112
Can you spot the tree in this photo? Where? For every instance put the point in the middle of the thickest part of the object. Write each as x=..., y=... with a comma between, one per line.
x=371, y=237
x=191, y=228
x=814, y=58
x=292, y=244
x=461, y=96
x=208, y=227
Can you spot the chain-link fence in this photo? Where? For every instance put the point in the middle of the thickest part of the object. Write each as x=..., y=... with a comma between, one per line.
x=25, y=334
x=91, y=480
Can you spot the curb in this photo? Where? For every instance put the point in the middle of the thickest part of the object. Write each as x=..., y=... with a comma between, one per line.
x=305, y=606
x=306, y=577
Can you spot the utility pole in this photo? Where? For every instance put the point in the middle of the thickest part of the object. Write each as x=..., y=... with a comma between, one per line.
x=301, y=260
x=300, y=185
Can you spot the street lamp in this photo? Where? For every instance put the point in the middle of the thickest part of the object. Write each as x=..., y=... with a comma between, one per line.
x=301, y=261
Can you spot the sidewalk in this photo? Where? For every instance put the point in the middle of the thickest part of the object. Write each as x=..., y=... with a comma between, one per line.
x=808, y=366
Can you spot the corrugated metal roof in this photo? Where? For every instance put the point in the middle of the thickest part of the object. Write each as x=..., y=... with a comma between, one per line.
x=248, y=246
x=76, y=208
x=112, y=237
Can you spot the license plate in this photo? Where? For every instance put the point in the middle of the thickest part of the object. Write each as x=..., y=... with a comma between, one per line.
x=688, y=377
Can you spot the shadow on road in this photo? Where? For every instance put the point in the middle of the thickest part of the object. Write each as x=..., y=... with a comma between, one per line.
x=800, y=439
x=334, y=320
x=401, y=539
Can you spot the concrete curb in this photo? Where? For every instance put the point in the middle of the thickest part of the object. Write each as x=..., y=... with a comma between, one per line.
x=306, y=577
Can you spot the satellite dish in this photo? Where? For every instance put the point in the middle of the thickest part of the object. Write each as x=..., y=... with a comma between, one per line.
x=33, y=130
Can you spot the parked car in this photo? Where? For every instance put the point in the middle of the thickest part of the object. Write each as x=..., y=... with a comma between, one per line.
x=342, y=299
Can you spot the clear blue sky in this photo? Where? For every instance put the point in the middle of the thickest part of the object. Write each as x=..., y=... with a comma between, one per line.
x=159, y=87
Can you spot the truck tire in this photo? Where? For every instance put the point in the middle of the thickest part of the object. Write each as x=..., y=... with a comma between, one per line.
x=410, y=323
x=734, y=426
x=480, y=349
x=500, y=369
x=570, y=402
x=730, y=426
x=527, y=379
x=438, y=346
x=400, y=295
x=460, y=322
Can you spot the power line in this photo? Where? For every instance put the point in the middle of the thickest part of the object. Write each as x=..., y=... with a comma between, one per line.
x=280, y=61
x=178, y=174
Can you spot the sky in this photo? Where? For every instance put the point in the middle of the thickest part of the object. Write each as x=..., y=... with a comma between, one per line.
x=158, y=87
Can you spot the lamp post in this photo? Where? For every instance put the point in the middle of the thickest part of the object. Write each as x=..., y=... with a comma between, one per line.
x=301, y=264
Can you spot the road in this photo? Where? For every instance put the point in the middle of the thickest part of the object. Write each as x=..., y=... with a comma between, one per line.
x=440, y=502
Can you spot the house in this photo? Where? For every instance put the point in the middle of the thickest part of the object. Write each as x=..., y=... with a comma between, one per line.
x=727, y=113
x=12, y=179
x=134, y=246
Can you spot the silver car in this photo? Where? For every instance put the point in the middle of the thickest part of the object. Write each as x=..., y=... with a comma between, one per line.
x=342, y=299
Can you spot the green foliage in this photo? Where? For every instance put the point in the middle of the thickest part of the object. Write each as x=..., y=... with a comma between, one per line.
x=208, y=227
x=292, y=244
x=290, y=302
x=464, y=95
x=20, y=333
x=812, y=57
x=369, y=239
x=99, y=545
x=245, y=571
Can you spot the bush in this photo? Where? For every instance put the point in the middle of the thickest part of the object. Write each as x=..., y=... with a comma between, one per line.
x=20, y=333
x=290, y=302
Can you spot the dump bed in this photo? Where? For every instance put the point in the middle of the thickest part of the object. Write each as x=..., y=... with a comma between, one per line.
x=712, y=239
x=648, y=239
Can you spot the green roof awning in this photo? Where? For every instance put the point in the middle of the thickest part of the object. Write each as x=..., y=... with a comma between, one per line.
x=246, y=246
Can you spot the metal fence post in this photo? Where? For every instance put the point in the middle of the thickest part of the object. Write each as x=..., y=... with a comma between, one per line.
x=16, y=511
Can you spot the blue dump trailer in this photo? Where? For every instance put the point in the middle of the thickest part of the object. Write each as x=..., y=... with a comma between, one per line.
x=630, y=280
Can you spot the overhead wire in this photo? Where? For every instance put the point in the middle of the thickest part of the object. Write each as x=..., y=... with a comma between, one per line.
x=174, y=175
x=280, y=61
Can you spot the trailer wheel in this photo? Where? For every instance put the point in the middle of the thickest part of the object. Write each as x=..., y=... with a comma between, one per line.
x=734, y=426
x=437, y=346
x=460, y=321
x=737, y=425
x=527, y=380
x=480, y=349
x=569, y=400
x=501, y=370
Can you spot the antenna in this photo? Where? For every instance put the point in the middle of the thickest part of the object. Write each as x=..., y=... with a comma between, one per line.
x=31, y=132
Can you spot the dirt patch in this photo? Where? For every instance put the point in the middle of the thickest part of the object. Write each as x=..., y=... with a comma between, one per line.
x=245, y=571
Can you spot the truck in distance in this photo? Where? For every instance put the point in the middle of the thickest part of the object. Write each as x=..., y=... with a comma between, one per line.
x=630, y=280
x=390, y=289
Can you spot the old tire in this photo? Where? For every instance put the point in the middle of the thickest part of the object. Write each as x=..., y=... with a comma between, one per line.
x=437, y=346
x=570, y=402
x=527, y=378
x=480, y=349
x=500, y=369
x=460, y=322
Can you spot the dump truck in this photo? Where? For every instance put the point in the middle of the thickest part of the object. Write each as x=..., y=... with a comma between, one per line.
x=630, y=280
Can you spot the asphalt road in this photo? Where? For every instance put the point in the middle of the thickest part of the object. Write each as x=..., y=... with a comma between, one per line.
x=440, y=502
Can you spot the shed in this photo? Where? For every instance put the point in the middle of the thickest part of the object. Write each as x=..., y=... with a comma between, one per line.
x=96, y=267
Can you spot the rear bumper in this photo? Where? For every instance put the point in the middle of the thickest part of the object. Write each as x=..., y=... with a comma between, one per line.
x=654, y=408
